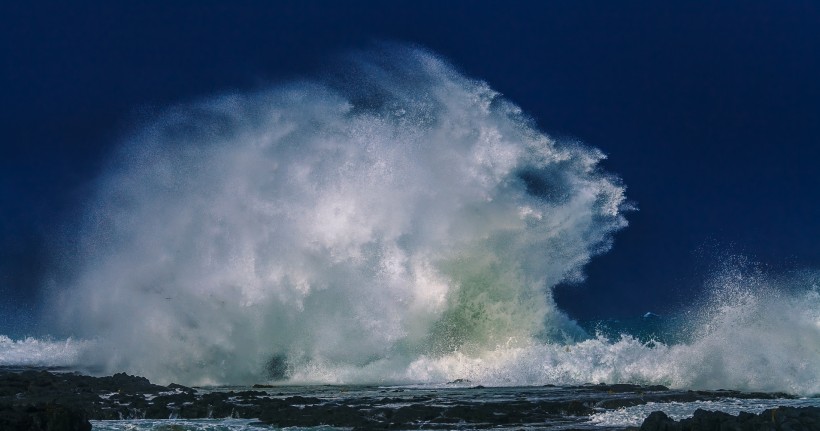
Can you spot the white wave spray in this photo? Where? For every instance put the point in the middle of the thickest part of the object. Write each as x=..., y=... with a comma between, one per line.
x=400, y=211
x=754, y=332
x=398, y=224
x=47, y=353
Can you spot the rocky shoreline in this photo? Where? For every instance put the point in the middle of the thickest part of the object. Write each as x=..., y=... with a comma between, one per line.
x=45, y=401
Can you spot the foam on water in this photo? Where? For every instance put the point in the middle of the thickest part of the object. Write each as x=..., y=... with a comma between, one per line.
x=753, y=334
x=189, y=425
x=634, y=416
x=752, y=357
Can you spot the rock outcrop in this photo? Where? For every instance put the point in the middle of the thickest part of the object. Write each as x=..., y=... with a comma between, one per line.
x=43, y=417
x=779, y=419
x=43, y=401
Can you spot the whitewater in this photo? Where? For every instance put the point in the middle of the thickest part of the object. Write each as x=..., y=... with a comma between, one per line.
x=392, y=223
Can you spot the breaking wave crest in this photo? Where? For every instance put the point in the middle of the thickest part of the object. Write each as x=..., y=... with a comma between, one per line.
x=753, y=334
x=33, y=352
x=399, y=210
x=397, y=223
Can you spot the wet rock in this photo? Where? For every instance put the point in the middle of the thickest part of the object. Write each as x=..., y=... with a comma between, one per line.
x=180, y=388
x=302, y=400
x=659, y=421
x=48, y=417
x=122, y=396
x=781, y=419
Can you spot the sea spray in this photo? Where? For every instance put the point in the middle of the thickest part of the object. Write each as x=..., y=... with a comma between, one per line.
x=47, y=353
x=752, y=332
x=756, y=331
x=398, y=224
x=401, y=211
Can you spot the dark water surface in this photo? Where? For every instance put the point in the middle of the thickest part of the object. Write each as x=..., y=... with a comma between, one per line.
x=461, y=406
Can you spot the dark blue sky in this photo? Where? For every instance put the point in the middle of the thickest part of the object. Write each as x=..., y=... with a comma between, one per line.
x=709, y=111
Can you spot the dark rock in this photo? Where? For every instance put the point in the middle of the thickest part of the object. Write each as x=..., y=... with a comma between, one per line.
x=122, y=396
x=122, y=382
x=181, y=388
x=708, y=420
x=781, y=419
x=302, y=400
x=656, y=388
x=48, y=417
x=620, y=388
x=659, y=421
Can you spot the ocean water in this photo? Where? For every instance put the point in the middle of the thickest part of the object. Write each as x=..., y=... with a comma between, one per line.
x=392, y=223
x=450, y=395
x=514, y=375
x=184, y=425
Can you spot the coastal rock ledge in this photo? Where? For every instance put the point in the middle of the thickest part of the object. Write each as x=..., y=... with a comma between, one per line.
x=43, y=417
x=779, y=419
x=38, y=400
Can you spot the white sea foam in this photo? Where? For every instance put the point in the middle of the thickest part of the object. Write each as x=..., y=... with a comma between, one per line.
x=753, y=333
x=32, y=352
x=752, y=358
x=634, y=416
x=755, y=338
x=400, y=224
x=401, y=210
x=227, y=424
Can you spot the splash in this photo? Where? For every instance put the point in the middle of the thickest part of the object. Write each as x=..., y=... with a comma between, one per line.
x=398, y=223
x=33, y=352
x=754, y=332
x=399, y=213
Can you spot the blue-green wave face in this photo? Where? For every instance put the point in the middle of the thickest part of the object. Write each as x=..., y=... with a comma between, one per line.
x=398, y=211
